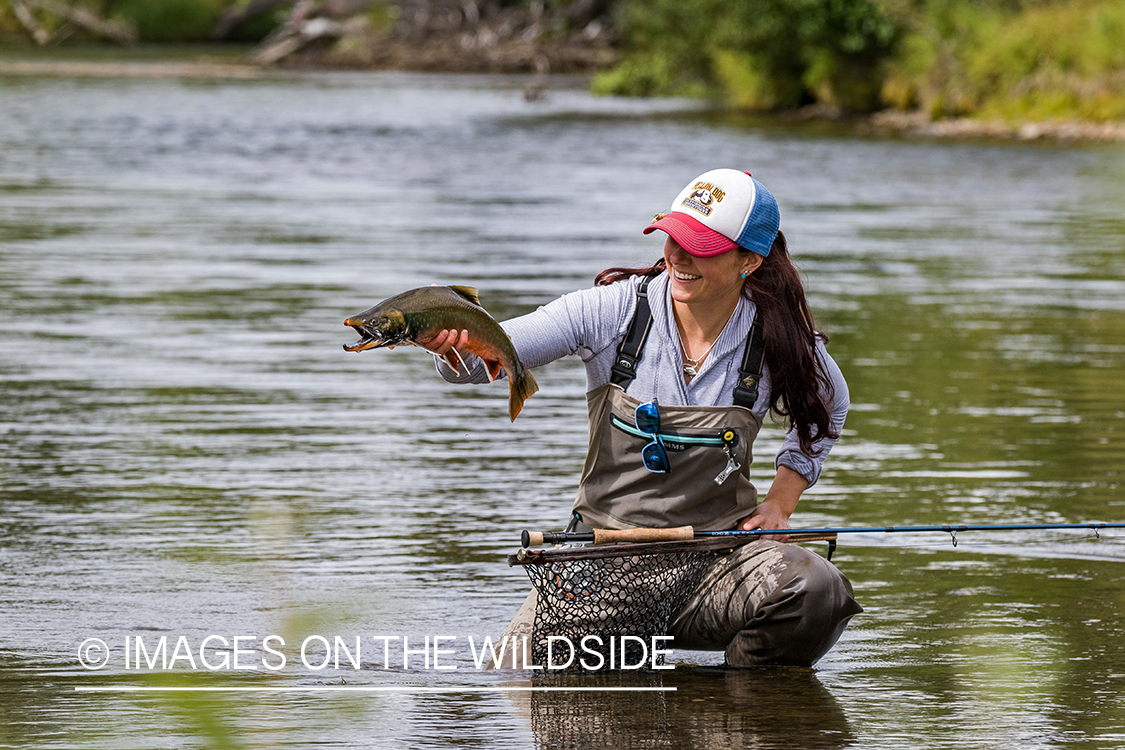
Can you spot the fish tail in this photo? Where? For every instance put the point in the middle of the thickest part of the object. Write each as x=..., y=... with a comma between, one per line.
x=521, y=386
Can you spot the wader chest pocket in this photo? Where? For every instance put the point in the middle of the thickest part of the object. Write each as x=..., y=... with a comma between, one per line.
x=676, y=440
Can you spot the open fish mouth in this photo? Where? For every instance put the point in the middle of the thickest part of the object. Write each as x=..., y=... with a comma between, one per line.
x=364, y=343
x=370, y=339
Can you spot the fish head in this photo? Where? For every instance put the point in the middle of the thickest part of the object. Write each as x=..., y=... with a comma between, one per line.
x=378, y=327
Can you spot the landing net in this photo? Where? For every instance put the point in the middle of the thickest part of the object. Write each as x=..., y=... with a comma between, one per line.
x=609, y=592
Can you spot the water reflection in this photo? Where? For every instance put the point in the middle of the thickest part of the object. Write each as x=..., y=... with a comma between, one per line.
x=709, y=708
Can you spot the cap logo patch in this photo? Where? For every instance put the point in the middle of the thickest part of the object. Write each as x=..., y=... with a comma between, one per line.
x=703, y=197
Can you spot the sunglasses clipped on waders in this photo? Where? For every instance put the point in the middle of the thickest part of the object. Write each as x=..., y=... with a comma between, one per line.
x=654, y=455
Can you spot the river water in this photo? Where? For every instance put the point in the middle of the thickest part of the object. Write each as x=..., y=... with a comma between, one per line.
x=186, y=451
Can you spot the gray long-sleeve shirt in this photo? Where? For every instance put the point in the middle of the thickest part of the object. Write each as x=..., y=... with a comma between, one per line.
x=592, y=323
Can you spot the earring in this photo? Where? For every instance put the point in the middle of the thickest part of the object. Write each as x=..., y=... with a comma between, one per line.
x=745, y=274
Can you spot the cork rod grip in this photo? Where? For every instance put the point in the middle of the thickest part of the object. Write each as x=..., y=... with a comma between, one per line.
x=616, y=536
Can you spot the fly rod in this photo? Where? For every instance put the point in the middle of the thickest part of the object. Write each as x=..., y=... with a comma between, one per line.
x=683, y=533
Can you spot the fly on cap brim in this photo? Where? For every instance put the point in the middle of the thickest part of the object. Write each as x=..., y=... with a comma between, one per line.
x=691, y=234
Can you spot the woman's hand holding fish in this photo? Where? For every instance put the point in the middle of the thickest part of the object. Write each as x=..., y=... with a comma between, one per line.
x=445, y=342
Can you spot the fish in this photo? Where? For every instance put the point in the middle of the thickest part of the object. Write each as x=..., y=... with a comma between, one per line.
x=417, y=317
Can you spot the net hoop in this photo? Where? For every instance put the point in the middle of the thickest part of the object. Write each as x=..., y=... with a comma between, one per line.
x=624, y=594
x=563, y=554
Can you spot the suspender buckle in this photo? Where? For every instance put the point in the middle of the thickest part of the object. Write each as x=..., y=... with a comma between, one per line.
x=746, y=392
x=625, y=367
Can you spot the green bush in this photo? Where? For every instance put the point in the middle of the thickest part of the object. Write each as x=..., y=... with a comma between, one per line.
x=667, y=48
x=1014, y=60
x=257, y=28
x=171, y=20
x=755, y=53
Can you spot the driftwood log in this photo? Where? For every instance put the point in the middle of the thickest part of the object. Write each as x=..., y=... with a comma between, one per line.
x=498, y=36
x=493, y=36
x=75, y=17
x=309, y=22
x=29, y=22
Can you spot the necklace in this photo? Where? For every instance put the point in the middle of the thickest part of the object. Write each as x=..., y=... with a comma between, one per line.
x=691, y=366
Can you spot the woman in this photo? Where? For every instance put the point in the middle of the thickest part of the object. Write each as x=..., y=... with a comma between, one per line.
x=683, y=361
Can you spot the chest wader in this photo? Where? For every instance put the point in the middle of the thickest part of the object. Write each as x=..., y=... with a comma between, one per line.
x=765, y=603
x=709, y=448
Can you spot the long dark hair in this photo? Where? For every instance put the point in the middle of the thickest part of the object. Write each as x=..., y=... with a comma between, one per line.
x=796, y=373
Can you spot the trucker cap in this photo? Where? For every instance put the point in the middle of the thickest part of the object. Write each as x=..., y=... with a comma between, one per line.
x=719, y=211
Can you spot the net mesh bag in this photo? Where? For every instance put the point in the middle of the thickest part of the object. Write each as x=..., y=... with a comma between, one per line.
x=623, y=595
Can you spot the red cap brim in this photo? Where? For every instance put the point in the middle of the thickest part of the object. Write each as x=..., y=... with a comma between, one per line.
x=692, y=235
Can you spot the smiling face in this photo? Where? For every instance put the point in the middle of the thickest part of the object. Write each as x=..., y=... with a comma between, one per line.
x=716, y=280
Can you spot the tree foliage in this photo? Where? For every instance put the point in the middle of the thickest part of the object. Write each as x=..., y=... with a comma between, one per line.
x=1006, y=58
x=755, y=53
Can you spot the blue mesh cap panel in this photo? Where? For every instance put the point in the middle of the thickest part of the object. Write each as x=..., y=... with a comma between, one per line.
x=765, y=219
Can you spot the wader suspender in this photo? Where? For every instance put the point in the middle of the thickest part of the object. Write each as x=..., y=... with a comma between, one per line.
x=753, y=359
x=632, y=348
